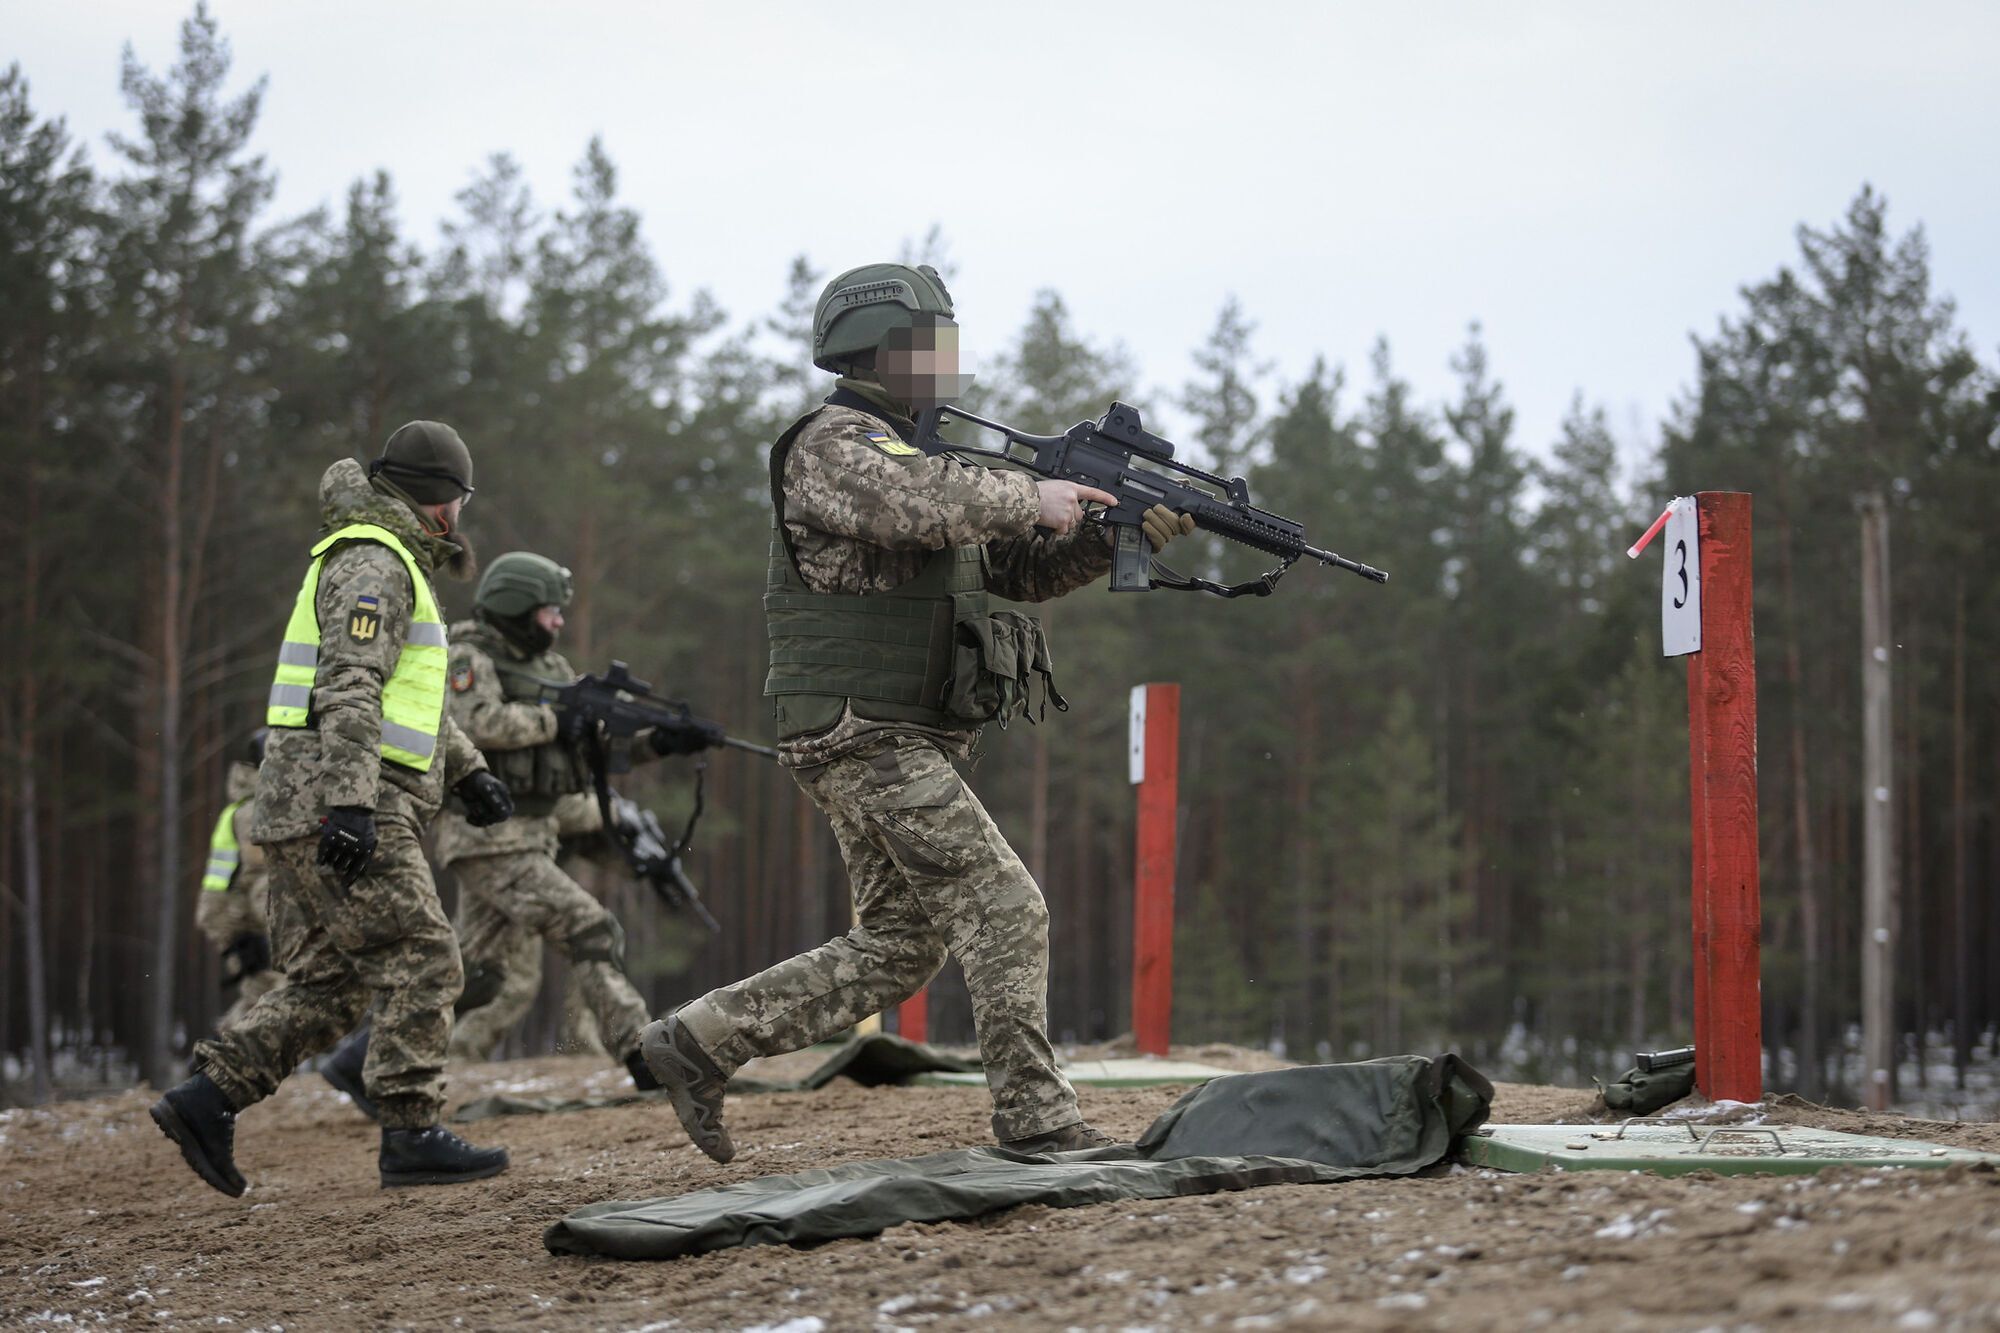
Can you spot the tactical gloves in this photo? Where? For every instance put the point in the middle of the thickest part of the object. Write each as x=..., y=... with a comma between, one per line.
x=1162, y=525
x=347, y=841
x=246, y=956
x=689, y=737
x=486, y=799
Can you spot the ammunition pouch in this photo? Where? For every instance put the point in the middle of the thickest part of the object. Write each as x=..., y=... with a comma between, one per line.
x=539, y=775
x=997, y=659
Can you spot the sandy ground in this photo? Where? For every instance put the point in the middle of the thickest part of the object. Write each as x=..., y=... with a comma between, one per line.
x=101, y=1223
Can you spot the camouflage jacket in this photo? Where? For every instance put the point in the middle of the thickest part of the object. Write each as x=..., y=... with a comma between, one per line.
x=865, y=511
x=225, y=916
x=337, y=760
x=478, y=703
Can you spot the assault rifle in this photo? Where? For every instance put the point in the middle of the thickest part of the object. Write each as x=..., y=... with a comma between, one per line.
x=655, y=860
x=616, y=705
x=1117, y=454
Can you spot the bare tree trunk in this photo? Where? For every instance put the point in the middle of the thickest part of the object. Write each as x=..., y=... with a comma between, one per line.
x=31, y=892
x=1961, y=914
x=1878, y=936
x=1038, y=812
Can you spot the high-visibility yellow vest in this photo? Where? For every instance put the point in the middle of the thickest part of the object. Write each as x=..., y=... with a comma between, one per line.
x=412, y=697
x=223, y=853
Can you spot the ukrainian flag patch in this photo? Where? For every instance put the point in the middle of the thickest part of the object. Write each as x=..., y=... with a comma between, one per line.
x=889, y=444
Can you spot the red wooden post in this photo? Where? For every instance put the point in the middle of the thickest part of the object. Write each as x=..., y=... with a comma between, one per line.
x=1722, y=780
x=1153, y=893
x=913, y=1017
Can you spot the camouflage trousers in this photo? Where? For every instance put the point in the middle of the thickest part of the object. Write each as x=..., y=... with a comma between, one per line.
x=507, y=905
x=930, y=874
x=382, y=942
x=248, y=991
x=518, y=958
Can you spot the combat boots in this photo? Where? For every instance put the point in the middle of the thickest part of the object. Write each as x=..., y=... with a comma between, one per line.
x=693, y=1083
x=1070, y=1138
x=435, y=1156
x=200, y=1119
x=342, y=1068
x=642, y=1077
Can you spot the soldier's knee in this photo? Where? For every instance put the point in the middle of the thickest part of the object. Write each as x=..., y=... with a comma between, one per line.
x=602, y=941
x=1017, y=914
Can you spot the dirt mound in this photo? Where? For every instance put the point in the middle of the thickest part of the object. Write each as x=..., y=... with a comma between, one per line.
x=100, y=1221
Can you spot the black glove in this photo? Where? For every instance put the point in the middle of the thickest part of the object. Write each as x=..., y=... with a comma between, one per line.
x=347, y=841
x=246, y=956
x=689, y=737
x=486, y=799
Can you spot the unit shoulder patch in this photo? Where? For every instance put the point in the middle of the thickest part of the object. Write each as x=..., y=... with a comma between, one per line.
x=889, y=444
x=365, y=620
x=461, y=678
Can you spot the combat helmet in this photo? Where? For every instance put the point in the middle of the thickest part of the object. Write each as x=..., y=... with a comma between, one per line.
x=518, y=582
x=864, y=305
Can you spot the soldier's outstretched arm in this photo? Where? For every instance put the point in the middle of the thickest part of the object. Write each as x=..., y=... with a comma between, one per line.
x=846, y=477
x=364, y=607
x=461, y=756
x=1044, y=565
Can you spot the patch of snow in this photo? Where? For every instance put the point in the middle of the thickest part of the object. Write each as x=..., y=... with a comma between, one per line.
x=1628, y=1225
x=89, y=1282
x=1300, y=1274
x=810, y=1323
x=1407, y=1300
x=1917, y=1319
x=1752, y=1208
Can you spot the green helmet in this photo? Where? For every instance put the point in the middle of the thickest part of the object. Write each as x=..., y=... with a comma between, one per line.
x=520, y=581
x=861, y=306
x=427, y=461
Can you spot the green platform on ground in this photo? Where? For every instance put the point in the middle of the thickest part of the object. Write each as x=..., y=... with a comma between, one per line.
x=1680, y=1147
x=1139, y=1073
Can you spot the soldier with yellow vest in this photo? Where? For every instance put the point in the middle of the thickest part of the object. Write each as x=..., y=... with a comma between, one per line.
x=361, y=754
x=230, y=910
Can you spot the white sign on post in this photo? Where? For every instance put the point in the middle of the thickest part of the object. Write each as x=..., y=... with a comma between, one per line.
x=1138, y=735
x=1680, y=585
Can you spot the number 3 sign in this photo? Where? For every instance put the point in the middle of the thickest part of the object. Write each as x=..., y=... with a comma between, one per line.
x=1680, y=584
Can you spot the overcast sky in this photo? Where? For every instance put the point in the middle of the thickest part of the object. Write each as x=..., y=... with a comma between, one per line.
x=1591, y=182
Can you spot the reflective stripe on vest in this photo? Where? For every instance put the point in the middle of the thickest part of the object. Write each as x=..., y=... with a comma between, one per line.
x=223, y=853
x=412, y=697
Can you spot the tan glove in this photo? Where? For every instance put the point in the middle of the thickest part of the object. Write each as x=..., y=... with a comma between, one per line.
x=1162, y=525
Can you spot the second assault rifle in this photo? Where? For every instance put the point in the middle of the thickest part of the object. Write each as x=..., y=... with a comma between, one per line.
x=616, y=706
x=1117, y=454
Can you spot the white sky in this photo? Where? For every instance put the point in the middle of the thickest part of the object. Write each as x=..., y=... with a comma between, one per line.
x=1591, y=182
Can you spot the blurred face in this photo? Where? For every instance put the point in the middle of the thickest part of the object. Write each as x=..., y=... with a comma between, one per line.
x=550, y=618
x=919, y=365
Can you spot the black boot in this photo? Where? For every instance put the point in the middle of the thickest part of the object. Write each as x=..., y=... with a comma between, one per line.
x=435, y=1156
x=642, y=1077
x=692, y=1081
x=342, y=1068
x=196, y=1116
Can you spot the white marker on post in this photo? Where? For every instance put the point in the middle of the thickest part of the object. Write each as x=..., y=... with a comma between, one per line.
x=1680, y=581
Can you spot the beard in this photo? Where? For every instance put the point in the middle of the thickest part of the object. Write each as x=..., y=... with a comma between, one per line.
x=462, y=565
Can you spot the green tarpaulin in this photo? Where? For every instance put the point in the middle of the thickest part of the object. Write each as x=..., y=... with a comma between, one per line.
x=1314, y=1125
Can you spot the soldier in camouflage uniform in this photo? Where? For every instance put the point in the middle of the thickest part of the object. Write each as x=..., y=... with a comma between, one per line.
x=361, y=754
x=512, y=894
x=231, y=907
x=886, y=658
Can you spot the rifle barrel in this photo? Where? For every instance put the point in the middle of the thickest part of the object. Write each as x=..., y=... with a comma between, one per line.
x=764, y=750
x=1352, y=566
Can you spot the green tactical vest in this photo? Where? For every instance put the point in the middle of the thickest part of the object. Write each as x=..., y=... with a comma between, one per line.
x=931, y=651
x=224, y=855
x=412, y=697
x=536, y=775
